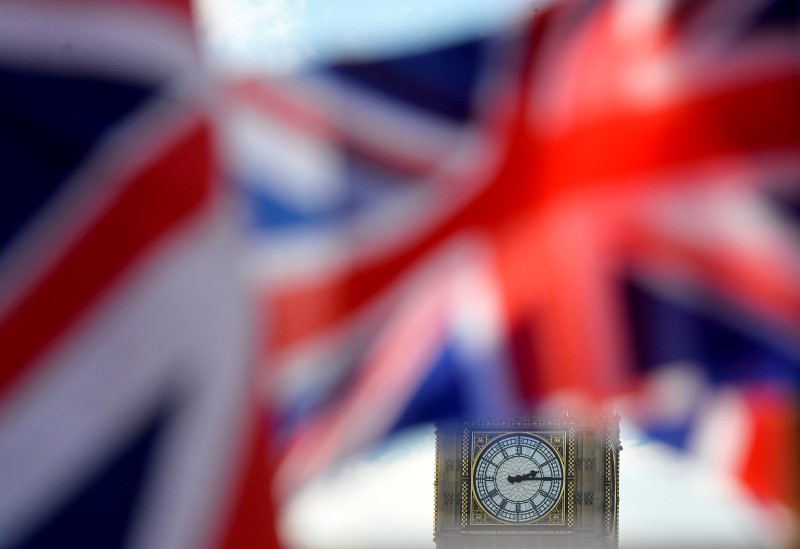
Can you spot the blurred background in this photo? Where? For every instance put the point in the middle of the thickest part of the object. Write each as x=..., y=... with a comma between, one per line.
x=241, y=281
x=384, y=498
x=667, y=499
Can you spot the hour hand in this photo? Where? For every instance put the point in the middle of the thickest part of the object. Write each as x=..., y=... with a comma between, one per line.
x=520, y=478
x=529, y=476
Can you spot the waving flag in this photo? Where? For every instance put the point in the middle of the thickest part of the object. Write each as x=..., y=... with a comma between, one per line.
x=126, y=414
x=348, y=167
x=600, y=204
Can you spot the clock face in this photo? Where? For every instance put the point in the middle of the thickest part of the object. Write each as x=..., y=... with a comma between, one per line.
x=518, y=478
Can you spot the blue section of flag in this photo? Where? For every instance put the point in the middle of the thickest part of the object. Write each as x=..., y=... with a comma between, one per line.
x=674, y=434
x=441, y=82
x=786, y=205
x=792, y=209
x=363, y=185
x=101, y=512
x=442, y=394
x=667, y=331
x=49, y=123
x=265, y=211
x=778, y=15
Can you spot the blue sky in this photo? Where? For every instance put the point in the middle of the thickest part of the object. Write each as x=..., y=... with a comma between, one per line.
x=283, y=34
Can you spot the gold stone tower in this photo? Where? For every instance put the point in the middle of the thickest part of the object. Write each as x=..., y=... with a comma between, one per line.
x=546, y=479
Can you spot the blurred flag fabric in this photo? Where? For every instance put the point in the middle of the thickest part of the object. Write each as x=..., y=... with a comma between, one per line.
x=127, y=415
x=601, y=203
x=339, y=178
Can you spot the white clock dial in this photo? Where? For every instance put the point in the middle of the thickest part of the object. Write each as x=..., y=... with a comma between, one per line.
x=518, y=478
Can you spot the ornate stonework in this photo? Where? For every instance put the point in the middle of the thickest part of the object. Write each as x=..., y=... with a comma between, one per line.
x=566, y=467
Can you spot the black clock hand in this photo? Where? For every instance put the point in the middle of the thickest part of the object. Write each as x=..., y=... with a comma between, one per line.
x=520, y=478
x=529, y=476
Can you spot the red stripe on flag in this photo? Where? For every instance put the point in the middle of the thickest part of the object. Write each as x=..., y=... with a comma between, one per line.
x=588, y=158
x=770, y=469
x=626, y=146
x=252, y=518
x=149, y=205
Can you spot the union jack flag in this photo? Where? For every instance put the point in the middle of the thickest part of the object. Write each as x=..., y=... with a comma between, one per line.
x=346, y=169
x=126, y=415
x=601, y=203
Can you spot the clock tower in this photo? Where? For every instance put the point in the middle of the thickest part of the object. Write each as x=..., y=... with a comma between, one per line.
x=545, y=479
